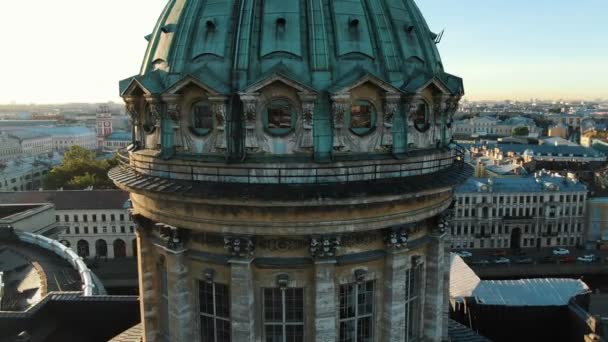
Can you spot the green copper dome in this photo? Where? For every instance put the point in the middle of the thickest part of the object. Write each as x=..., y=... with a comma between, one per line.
x=230, y=44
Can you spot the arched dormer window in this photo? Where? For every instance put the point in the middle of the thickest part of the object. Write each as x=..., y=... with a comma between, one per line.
x=362, y=117
x=202, y=118
x=421, y=118
x=279, y=118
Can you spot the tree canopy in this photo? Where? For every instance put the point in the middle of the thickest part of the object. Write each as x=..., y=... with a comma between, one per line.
x=80, y=169
x=520, y=131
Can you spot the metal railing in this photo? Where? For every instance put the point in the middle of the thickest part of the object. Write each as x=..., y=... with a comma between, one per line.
x=346, y=172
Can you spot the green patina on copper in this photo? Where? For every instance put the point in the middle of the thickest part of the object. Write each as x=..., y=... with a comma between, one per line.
x=230, y=45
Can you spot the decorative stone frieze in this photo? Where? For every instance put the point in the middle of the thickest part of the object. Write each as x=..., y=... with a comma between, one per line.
x=358, y=239
x=324, y=246
x=340, y=104
x=305, y=139
x=282, y=244
x=239, y=246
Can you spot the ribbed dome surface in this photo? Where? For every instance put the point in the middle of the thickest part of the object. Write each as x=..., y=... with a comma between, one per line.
x=230, y=44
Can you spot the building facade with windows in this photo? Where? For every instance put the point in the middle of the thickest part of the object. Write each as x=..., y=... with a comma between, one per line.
x=96, y=223
x=290, y=174
x=540, y=211
x=23, y=173
x=492, y=126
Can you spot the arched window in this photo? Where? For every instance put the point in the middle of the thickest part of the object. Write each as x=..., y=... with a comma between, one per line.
x=280, y=117
x=421, y=118
x=202, y=118
x=82, y=248
x=120, y=249
x=362, y=117
x=101, y=248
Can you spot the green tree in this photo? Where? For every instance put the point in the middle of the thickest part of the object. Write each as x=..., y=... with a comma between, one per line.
x=521, y=131
x=80, y=169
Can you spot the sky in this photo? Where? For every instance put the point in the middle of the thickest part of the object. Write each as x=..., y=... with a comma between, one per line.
x=54, y=51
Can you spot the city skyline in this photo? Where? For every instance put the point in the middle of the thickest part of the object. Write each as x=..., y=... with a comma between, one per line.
x=550, y=51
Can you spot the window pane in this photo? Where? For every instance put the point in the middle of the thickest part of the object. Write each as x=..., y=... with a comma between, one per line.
x=347, y=331
x=274, y=333
x=203, y=118
x=365, y=299
x=279, y=115
x=364, y=329
x=222, y=301
x=206, y=297
x=347, y=301
x=294, y=300
x=361, y=115
x=207, y=329
x=273, y=305
x=294, y=333
x=223, y=330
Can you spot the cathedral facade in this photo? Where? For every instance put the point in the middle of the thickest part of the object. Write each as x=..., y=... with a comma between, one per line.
x=290, y=170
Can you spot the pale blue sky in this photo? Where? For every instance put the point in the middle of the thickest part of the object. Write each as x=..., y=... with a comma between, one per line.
x=75, y=50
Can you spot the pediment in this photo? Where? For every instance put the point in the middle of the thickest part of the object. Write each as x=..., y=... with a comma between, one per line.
x=191, y=80
x=278, y=77
x=135, y=88
x=347, y=85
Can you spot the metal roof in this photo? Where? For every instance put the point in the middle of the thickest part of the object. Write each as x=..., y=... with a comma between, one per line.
x=520, y=184
x=71, y=200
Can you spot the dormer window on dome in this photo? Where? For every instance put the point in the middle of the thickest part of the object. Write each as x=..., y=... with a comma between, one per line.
x=362, y=117
x=280, y=117
x=421, y=118
x=202, y=118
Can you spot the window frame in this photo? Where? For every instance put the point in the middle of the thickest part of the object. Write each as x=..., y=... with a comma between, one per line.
x=214, y=317
x=373, y=121
x=266, y=115
x=284, y=323
x=201, y=132
x=357, y=317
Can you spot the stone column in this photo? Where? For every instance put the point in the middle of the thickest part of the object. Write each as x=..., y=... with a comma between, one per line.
x=397, y=262
x=242, y=308
x=180, y=297
x=132, y=111
x=446, y=292
x=174, y=113
x=325, y=324
x=148, y=303
x=394, y=298
x=439, y=114
x=435, y=287
x=218, y=107
x=242, y=299
x=305, y=133
x=391, y=108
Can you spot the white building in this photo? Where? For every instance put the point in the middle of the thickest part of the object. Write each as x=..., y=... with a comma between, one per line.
x=97, y=222
x=540, y=211
x=23, y=173
x=9, y=146
x=65, y=137
x=33, y=143
x=490, y=125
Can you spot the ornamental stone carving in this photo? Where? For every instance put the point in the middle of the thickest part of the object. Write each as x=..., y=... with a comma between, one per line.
x=397, y=239
x=324, y=246
x=340, y=104
x=174, y=238
x=250, y=103
x=239, y=246
x=156, y=109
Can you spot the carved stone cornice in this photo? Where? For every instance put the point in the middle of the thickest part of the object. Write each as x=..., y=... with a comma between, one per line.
x=250, y=103
x=324, y=246
x=239, y=246
x=155, y=105
x=173, y=106
x=391, y=107
x=282, y=244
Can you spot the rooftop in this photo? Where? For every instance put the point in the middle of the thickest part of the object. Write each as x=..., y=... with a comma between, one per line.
x=525, y=292
x=575, y=151
x=521, y=184
x=71, y=200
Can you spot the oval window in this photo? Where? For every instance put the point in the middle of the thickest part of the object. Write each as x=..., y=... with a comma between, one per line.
x=280, y=117
x=362, y=117
x=202, y=118
x=421, y=118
